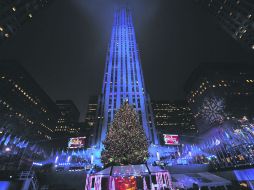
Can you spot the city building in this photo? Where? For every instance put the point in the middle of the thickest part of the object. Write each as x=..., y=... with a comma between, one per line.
x=85, y=130
x=14, y=13
x=123, y=79
x=173, y=118
x=68, y=119
x=220, y=91
x=236, y=17
x=91, y=114
x=25, y=109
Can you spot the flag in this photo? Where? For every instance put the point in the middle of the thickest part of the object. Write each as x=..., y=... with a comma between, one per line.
x=52, y=154
x=21, y=144
x=2, y=139
x=7, y=140
x=16, y=140
x=227, y=135
x=25, y=144
x=33, y=148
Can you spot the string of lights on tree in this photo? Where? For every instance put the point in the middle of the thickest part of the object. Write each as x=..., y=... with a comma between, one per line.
x=126, y=141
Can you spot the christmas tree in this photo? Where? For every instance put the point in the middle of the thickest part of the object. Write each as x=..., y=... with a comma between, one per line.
x=126, y=141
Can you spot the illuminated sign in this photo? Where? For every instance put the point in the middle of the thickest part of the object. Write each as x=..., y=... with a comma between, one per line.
x=171, y=139
x=77, y=142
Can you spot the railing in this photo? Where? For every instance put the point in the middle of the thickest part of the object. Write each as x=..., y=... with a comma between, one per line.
x=29, y=175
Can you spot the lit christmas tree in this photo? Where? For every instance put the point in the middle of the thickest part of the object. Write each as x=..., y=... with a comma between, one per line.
x=126, y=141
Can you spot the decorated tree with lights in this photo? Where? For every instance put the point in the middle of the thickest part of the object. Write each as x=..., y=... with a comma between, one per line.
x=126, y=141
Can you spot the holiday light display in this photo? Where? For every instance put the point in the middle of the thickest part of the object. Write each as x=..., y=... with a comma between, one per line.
x=126, y=142
x=229, y=145
x=236, y=145
x=212, y=110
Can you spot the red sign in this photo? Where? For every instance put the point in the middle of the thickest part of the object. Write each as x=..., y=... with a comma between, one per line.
x=126, y=183
x=171, y=139
x=78, y=142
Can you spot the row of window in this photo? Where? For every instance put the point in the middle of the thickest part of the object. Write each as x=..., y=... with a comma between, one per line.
x=23, y=92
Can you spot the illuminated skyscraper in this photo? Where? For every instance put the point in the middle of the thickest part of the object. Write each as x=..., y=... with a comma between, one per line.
x=173, y=117
x=235, y=17
x=25, y=109
x=123, y=79
x=91, y=114
x=15, y=13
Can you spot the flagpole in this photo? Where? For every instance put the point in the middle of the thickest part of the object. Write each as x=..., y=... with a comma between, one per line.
x=22, y=156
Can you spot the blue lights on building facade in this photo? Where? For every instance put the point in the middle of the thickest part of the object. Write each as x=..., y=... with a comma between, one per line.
x=123, y=79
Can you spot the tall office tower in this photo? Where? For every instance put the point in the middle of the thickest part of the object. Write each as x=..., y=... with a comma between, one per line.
x=173, y=117
x=14, y=13
x=91, y=114
x=68, y=119
x=123, y=79
x=217, y=92
x=236, y=17
x=26, y=110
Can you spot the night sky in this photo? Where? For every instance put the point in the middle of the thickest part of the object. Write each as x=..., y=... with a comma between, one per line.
x=64, y=46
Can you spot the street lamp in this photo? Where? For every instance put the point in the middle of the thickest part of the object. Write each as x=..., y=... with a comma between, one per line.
x=7, y=149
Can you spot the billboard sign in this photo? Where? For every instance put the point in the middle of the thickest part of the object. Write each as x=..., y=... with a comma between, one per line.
x=170, y=139
x=77, y=142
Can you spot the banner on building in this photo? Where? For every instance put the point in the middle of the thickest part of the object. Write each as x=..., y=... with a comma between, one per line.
x=170, y=139
x=77, y=142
